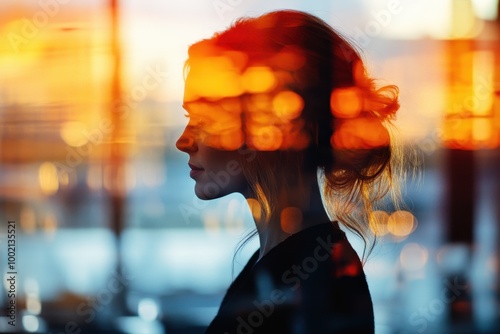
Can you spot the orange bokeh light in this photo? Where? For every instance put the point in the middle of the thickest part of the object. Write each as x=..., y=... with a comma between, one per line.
x=346, y=102
x=288, y=105
x=212, y=78
x=401, y=223
x=291, y=220
x=359, y=133
x=378, y=222
x=258, y=79
x=266, y=138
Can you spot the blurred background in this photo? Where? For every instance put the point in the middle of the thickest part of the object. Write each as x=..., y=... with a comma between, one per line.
x=110, y=237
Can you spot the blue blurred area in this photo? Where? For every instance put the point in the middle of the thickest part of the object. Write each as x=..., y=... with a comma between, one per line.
x=184, y=267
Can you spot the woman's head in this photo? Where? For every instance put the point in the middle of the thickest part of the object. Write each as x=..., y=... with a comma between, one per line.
x=291, y=89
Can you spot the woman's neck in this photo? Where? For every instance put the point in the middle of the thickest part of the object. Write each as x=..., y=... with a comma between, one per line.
x=299, y=207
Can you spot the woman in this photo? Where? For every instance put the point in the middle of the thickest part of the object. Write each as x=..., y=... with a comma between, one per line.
x=274, y=102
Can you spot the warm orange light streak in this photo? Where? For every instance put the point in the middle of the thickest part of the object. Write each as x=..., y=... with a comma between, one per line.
x=470, y=121
x=483, y=67
x=47, y=176
x=72, y=133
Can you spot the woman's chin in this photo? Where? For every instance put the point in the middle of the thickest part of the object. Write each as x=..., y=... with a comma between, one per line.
x=206, y=191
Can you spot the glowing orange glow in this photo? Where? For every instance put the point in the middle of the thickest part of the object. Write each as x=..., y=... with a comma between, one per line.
x=291, y=220
x=346, y=102
x=47, y=176
x=238, y=59
x=359, y=75
x=378, y=222
x=458, y=133
x=258, y=79
x=217, y=124
x=212, y=78
x=231, y=140
x=289, y=58
x=359, y=133
x=288, y=105
x=266, y=138
x=72, y=134
x=471, y=133
x=413, y=257
x=482, y=130
x=469, y=122
x=259, y=103
x=294, y=136
x=275, y=118
x=401, y=223
x=220, y=86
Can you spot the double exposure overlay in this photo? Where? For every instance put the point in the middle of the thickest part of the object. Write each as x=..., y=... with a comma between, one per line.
x=97, y=201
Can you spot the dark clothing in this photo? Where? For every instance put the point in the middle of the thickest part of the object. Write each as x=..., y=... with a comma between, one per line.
x=312, y=282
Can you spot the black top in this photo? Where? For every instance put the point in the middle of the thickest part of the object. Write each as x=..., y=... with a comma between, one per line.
x=312, y=282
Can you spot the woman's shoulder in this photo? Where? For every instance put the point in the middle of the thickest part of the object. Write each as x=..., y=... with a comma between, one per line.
x=322, y=245
x=313, y=280
x=317, y=262
x=318, y=274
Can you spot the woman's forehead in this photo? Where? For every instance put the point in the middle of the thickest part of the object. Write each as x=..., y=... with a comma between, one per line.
x=230, y=73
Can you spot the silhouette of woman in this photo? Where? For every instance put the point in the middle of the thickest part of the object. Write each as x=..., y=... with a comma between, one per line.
x=281, y=110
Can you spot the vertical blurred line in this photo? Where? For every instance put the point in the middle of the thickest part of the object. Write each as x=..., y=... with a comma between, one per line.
x=496, y=156
x=460, y=169
x=116, y=158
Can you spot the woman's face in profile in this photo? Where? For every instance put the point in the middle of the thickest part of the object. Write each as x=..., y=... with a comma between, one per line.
x=211, y=139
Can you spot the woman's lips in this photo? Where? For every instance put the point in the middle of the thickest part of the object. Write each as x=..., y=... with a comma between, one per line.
x=195, y=170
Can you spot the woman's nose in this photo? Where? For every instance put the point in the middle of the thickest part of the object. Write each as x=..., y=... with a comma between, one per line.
x=186, y=142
